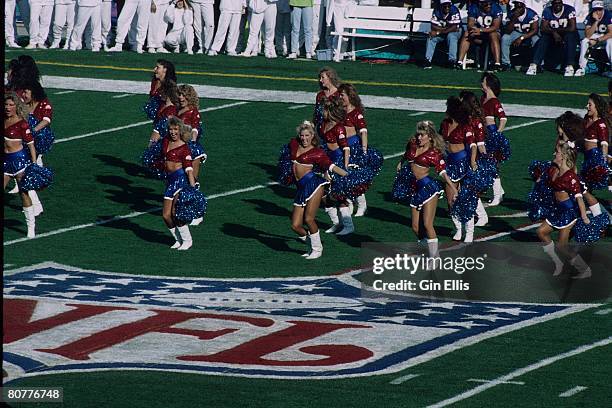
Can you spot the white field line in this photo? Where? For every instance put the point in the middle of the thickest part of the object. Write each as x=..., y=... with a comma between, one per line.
x=404, y=378
x=295, y=97
x=572, y=391
x=297, y=107
x=521, y=371
x=478, y=380
x=256, y=187
x=121, y=96
x=64, y=92
x=115, y=129
x=132, y=215
x=603, y=312
x=417, y=114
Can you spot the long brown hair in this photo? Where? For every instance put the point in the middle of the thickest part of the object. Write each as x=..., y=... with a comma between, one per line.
x=352, y=94
x=472, y=102
x=335, y=110
x=601, y=106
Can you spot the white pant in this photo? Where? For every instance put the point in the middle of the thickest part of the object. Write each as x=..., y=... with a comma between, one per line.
x=142, y=10
x=9, y=18
x=584, y=46
x=157, y=27
x=181, y=36
x=227, y=21
x=204, y=21
x=256, y=19
x=40, y=21
x=64, y=15
x=105, y=18
x=283, y=32
x=318, y=26
x=84, y=14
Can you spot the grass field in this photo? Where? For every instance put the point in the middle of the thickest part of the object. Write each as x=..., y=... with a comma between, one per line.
x=103, y=214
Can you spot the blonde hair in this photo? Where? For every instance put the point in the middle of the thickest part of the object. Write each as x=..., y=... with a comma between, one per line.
x=308, y=126
x=569, y=155
x=20, y=107
x=185, y=131
x=427, y=127
x=331, y=74
x=190, y=94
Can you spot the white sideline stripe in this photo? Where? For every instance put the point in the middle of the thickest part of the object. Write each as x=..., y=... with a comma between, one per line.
x=405, y=378
x=603, y=312
x=572, y=391
x=520, y=372
x=295, y=97
x=297, y=107
x=417, y=114
x=115, y=129
x=515, y=215
x=488, y=381
x=503, y=234
x=121, y=96
x=132, y=215
x=64, y=92
x=135, y=214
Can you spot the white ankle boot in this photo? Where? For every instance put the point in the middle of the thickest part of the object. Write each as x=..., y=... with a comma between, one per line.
x=333, y=216
x=177, y=238
x=584, y=271
x=36, y=204
x=316, y=246
x=458, y=227
x=39, y=160
x=347, y=221
x=30, y=221
x=185, y=237
x=469, y=231
x=549, y=249
x=197, y=221
x=483, y=218
x=361, y=206
x=498, y=193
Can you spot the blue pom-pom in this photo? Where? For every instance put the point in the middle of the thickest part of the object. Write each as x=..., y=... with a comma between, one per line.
x=285, y=167
x=151, y=159
x=190, y=204
x=538, y=168
x=373, y=159
x=404, y=186
x=464, y=206
x=152, y=106
x=594, y=171
x=352, y=185
x=161, y=126
x=541, y=198
x=593, y=231
x=44, y=138
x=36, y=177
x=497, y=144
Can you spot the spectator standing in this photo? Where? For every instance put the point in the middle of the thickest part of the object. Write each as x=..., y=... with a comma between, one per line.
x=558, y=30
x=283, y=27
x=141, y=9
x=87, y=10
x=40, y=22
x=261, y=11
x=229, y=25
x=156, y=31
x=203, y=23
x=445, y=26
x=64, y=14
x=301, y=16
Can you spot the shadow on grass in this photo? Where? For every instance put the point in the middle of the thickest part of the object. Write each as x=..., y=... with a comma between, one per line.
x=121, y=190
x=272, y=241
x=269, y=208
x=131, y=168
x=144, y=234
x=270, y=169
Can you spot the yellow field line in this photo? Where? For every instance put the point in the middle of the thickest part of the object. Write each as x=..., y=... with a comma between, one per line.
x=276, y=78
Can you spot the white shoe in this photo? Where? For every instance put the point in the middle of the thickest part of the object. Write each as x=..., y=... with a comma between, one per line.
x=333, y=228
x=483, y=218
x=583, y=269
x=498, y=193
x=347, y=221
x=95, y=49
x=66, y=46
x=117, y=48
x=14, y=190
x=54, y=45
x=151, y=50
x=532, y=70
x=246, y=54
x=189, y=52
x=30, y=46
x=139, y=49
x=308, y=55
x=232, y=53
x=569, y=71
x=176, y=245
x=176, y=50
x=162, y=50
x=579, y=72
x=200, y=51
x=177, y=238
x=212, y=53
x=293, y=55
x=106, y=48
x=197, y=221
x=270, y=54
x=41, y=46
x=13, y=44
x=362, y=206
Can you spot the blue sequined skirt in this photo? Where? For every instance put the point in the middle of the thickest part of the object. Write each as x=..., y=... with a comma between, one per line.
x=563, y=214
x=306, y=187
x=15, y=163
x=594, y=171
x=426, y=189
x=457, y=164
x=175, y=182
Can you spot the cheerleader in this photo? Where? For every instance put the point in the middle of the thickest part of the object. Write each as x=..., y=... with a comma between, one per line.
x=168, y=93
x=461, y=154
x=355, y=122
x=567, y=204
x=329, y=83
x=486, y=167
x=39, y=118
x=189, y=113
x=16, y=159
x=497, y=144
x=305, y=154
x=424, y=150
x=179, y=171
x=164, y=71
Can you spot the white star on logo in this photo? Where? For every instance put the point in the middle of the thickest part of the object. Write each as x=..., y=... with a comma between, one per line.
x=513, y=311
x=491, y=318
x=467, y=325
x=442, y=305
x=124, y=281
x=249, y=290
x=307, y=288
x=131, y=299
x=91, y=288
x=151, y=292
x=70, y=295
x=393, y=319
x=332, y=314
x=424, y=312
x=32, y=283
x=61, y=277
x=186, y=285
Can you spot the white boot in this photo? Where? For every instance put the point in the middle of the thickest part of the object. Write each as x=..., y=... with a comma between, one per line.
x=457, y=223
x=361, y=206
x=582, y=267
x=30, y=221
x=549, y=249
x=433, y=252
x=316, y=246
x=469, y=231
x=595, y=209
x=350, y=205
x=483, y=218
x=39, y=160
x=498, y=193
x=197, y=221
x=177, y=238
x=304, y=239
x=15, y=189
x=333, y=216
x=347, y=221
x=36, y=204
x=186, y=237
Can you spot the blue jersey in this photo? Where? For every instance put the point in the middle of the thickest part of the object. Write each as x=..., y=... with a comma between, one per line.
x=560, y=21
x=523, y=24
x=452, y=18
x=485, y=20
x=602, y=26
